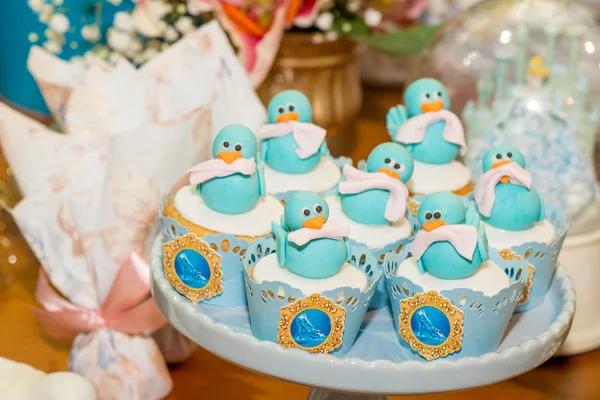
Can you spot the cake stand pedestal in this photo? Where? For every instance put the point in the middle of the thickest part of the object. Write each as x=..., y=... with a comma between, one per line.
x=377, y=365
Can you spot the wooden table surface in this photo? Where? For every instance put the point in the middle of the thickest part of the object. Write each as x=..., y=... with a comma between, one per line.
x=205, y=376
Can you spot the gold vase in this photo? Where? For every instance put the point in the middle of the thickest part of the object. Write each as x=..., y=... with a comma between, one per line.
x=328, y=73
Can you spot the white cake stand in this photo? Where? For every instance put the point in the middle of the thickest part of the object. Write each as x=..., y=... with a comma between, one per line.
x=531, y=339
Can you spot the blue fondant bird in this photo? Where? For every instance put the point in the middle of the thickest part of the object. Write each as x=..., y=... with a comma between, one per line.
x=305, y=243
x=442, y=257
x=369, y=207
x=516, y=207
x=280, y=153
x=423, y=96
x=236, y=193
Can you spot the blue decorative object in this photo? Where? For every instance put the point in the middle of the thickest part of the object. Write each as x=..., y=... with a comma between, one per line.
x=422, y=96
x=192, y=268
x=369, y=207
x=280, y=153
x=308, y=212
x=516, y=207
x=268, y=301
x=310, y=328
x=441, y=258
x=477, y=322
x=237, y=193
x=58, y=28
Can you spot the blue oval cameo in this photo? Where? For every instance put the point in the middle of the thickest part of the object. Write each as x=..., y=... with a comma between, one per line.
x=430, y=325
x=310, y=328
x=192, y=268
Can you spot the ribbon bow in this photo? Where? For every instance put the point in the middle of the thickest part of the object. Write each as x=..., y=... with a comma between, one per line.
x=127, y=308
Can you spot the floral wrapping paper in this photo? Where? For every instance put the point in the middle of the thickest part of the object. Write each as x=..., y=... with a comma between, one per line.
x=91, y=195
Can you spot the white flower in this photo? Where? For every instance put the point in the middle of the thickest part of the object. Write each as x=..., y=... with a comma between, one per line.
x=118, y=40
x=346, y=27
x=48, y=9
x=353, y=5
x=115, y=2
x=60, y=23
x=53, y=47
x=331, y=36
x=372, y=17
x=184, y=24
x=147, y=18
x=134, y=47
x=324, y=21
x=123, y=21
x=36, y=5
x=171, y=34
x=91, y=33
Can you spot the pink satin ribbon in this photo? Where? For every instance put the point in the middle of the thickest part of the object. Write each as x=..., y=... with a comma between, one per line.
x=462, y=237
x=328, y=230
x=127, y=308
x=413, y=129
x=358, y=181
x=485, y=190
x=218, y=168
x=308, y=137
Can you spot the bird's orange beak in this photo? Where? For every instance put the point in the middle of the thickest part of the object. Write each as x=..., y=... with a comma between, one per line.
x=500, y=163
x=429, y=226
x=432, y=106
x=229, y=156
x=287, y=117
x=314, y=223
x=389, y=172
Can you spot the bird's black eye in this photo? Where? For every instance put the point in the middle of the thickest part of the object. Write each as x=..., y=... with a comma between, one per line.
x=225, y=144
x=291, y=108
x=437, y=215
x=397, y=166
x=387, y=160
x=498, y=156
x=281, y=110
x=427, y=95
x=238, y=147
x=428, y=215
x=318, y=208
x=306, y=211
x=509, y=154
x=439, y=94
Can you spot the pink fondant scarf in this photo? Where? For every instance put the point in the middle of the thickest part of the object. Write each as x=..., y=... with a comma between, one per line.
x=328, y=230
x=485, y=190
x=218, y=168
x=308, y=137
x=413, y=130
x=462, y=237
x=358, y=181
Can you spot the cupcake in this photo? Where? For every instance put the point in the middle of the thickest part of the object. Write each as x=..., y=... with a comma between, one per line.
x=434, y=136
x=373, y=204
x=307, y=295
x=449, y=297
x=208, y=225
x=516, y=220
x=294, y=149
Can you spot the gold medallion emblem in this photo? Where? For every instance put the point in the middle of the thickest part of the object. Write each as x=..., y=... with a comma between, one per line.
x=314, y=323
x=193, y=268
x=431, y=325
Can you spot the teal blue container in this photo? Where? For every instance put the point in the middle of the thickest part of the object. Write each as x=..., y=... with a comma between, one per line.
x=21, y=27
